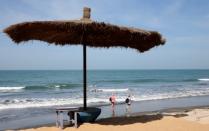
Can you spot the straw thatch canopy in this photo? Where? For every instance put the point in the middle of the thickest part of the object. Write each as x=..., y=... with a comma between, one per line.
x=85, y=31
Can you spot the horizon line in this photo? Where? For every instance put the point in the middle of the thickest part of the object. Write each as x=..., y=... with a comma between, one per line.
x=101, y=69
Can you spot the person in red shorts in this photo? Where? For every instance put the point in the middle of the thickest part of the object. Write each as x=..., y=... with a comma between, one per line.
x=112, y=100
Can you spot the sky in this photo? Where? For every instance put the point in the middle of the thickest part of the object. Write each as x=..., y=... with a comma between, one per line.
x=184, y=24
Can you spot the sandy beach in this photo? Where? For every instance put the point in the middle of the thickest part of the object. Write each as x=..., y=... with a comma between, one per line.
x=193, y=120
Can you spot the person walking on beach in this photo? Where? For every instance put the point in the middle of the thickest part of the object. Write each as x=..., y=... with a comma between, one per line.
x=128, y=102
x=112, y=100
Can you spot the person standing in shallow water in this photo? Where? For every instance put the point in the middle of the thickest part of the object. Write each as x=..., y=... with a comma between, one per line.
x=112, y=100
x=128, y=102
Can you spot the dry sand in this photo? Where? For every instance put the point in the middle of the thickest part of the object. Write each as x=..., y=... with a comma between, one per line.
x=198, y=115
x=195, y=120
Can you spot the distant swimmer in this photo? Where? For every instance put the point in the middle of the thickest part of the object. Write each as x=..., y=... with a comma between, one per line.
x=110, y=90
x=96, y=90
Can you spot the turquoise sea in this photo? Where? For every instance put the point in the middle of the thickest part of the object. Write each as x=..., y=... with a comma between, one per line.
x=26, y=89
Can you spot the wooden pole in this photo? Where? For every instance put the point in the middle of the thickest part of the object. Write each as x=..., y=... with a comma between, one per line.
x=84, y=77
x=86, y=15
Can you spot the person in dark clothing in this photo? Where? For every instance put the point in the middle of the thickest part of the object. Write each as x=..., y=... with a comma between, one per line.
x=128, y=102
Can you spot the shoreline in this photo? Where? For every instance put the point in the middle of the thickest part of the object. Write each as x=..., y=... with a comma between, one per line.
x=138, y=108
x=43, y=116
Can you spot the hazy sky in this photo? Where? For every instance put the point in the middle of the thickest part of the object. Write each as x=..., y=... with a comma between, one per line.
x=184, y=23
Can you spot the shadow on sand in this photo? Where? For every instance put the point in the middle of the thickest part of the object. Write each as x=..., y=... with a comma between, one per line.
x=133, y=119
x=129, y=120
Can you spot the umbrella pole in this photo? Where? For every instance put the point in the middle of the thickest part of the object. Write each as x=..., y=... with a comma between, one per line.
x=84, y=77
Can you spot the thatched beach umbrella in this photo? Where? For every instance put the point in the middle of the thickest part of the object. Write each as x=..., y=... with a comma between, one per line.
x=87, y=33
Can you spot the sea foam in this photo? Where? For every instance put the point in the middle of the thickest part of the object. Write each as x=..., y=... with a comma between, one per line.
x=11, y=88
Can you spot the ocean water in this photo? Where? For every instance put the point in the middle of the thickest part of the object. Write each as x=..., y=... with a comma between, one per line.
x=29, y=89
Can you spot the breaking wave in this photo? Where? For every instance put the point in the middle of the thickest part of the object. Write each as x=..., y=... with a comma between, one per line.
x=204, y=79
